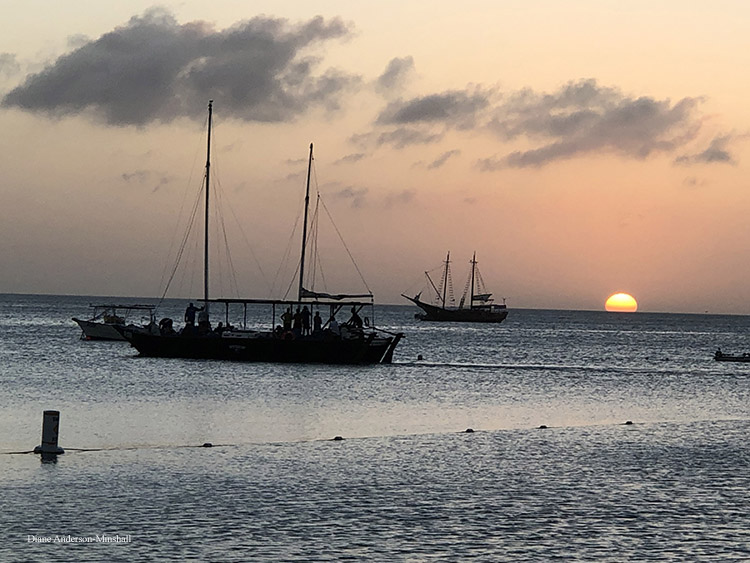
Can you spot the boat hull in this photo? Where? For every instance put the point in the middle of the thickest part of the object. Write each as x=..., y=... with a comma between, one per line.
x=496, y=314
x=93, y=330
x=264, y=347
x=719, y=357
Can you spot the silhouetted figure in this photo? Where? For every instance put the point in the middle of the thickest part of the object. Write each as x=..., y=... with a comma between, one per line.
x=165, y=326
x=297, y=323
x=204, y=326
x=286, y=319
x=305, y=314
x=190, y=314
x=355, y=321
x=333, y=326
x=317, y=323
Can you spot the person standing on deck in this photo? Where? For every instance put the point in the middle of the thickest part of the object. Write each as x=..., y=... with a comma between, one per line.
x=297, y=323
x=286, y=319
x=305, y=321
x=317, y=323
x=190, y=314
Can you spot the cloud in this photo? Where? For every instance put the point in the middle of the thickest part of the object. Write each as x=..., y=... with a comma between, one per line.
x=350, y=158
x=8, y=65
x=395, y=75
x=716, y=152
x=355, y=195
x=137, y=176
x=405, y=136
x=583, y=118
x=442, y=159
x=456, y=108
x=579, y=119
x=153, y=69
x=693, y=182
x=400, y=198
x=144, y=177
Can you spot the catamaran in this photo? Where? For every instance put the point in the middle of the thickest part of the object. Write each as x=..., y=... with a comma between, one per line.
x=357, y=341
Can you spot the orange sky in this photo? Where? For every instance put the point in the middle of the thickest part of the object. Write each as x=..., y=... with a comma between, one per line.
x=580, y=149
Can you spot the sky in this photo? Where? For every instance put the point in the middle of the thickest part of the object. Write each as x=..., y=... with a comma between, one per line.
x=580, y=148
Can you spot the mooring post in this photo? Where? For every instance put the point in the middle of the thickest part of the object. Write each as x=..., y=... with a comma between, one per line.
x=50, y=431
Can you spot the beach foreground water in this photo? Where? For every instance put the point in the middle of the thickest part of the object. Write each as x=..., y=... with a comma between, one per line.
x=406, y=482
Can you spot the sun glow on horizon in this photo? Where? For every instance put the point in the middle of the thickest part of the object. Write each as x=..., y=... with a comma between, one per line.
x=621, y=303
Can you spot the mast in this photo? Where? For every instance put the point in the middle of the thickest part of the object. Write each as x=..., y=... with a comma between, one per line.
x=473, y=266
x=205, y=233
x=304, y=226
x=445, y=276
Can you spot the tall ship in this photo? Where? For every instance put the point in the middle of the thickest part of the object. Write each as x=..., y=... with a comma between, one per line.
x=476, y=304
x=302, y=330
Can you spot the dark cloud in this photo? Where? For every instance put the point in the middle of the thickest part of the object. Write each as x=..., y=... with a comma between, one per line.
x=154, y=69
x=693, y=182
x=579, y=119
x=138, y=176
x=406, y=136
x=583, y=118
x=400, y=198
x=351, y=158
x=455, y=108
x=716, y=152
x=442, y=159
x=354, y=195
x=146, y=178
x=491, y=164
x=395, y=74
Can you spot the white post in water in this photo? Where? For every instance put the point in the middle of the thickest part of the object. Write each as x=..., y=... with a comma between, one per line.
x=50, y=431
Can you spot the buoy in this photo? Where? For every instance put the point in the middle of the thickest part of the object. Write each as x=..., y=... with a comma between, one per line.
x=469, y=430
x=50, y=431
x=419, y=357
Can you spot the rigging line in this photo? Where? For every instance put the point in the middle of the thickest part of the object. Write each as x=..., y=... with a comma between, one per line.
x=191, y=262
x=480, y=282
x=250, y=248
x=317, y=262
x=361, y=277
x=285, y=259
x=312, y=248
x=230, y=262
x=183, y=245
x=219, y=219
x=286, y=256
x=219, y=252
x=182, y=202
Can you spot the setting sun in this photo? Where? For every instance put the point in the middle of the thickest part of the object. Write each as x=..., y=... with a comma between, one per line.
x=621, y=303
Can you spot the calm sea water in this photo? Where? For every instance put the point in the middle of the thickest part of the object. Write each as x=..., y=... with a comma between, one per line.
x=406, y=483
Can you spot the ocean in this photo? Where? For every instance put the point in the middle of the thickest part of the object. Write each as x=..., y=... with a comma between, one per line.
x=596, y=437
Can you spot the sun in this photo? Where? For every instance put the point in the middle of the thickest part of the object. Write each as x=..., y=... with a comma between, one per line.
x=621, y=303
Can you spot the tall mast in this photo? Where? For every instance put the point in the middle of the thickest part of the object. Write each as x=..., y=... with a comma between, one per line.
x=304, y=226
x=445, y=276
x=205, y=233
x=473, y=266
